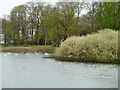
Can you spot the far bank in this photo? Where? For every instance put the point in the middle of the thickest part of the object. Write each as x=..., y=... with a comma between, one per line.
x=41, y=48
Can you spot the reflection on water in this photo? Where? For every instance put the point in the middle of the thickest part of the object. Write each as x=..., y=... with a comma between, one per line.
x=31, y=70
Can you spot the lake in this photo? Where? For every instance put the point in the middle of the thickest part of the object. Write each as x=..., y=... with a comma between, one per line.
x=32, y=70
x=0, y=71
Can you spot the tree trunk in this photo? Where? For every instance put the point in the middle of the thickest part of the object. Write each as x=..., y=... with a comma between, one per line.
x=5, y=40
x=45, y=39
x=37, y=37
x=32, y=35
x=23, y=35
x=37, y=33
x=25, y=38
x=18, y=38
x=78, y=16
x=14, y=41
x=32, y=32
x=18, y=31
x=93, y=16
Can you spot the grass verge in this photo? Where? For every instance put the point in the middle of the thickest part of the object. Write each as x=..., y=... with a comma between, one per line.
x=47, y=49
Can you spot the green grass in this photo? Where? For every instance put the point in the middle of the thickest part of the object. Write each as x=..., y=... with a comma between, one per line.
x=16, y=50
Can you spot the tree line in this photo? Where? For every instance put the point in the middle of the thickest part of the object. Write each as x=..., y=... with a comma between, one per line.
x=53, y=23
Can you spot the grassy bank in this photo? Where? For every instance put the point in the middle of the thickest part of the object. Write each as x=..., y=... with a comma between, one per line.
x=47, y=49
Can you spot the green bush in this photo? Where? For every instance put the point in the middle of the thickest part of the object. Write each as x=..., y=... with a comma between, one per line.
x=96, y=47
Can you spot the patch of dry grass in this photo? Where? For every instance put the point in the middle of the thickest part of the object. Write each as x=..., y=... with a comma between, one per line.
x=48, y=49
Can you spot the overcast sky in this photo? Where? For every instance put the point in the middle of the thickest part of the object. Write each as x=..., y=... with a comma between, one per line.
x=7, y=5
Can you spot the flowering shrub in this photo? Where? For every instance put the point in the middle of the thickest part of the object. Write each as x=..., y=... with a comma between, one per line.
x=97, y=47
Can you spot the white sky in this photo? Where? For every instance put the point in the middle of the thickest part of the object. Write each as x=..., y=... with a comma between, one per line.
x=7, y=5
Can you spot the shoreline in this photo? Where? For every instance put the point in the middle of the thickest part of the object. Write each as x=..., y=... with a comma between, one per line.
x=20, y=49
x=52, y=56
x=41, y=49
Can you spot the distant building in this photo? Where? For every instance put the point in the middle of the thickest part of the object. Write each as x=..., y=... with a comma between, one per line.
x=29, y=33
x=1, y=34
x=2, y=38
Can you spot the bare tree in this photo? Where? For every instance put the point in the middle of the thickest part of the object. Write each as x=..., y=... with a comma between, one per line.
x=92, y=8
x=37, y=17
x=31, y=17
x=19, y=22
x=4, y=24
x=45, y=13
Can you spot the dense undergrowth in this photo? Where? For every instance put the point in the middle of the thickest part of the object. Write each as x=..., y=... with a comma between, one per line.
x=96, y=47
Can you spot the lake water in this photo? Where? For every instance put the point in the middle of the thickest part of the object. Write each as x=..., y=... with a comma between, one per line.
x=31, y=70
x=0, y=71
